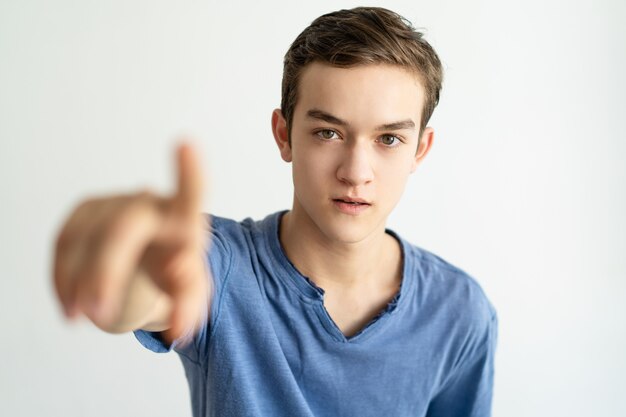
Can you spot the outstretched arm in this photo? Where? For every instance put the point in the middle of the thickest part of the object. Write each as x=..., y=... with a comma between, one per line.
x=136, y=261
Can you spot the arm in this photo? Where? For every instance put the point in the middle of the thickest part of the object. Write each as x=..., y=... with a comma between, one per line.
x=136, y=261
x=146, y=308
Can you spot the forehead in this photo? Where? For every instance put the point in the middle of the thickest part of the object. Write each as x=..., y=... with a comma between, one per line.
x=367, y=94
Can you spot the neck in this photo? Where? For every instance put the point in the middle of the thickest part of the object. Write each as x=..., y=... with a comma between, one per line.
x=371, y=262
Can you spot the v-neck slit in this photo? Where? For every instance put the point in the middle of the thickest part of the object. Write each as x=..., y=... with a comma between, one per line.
x=313, y=295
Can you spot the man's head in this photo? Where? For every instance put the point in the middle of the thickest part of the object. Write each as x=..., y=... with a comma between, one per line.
x=358, y=88
x=361, y=36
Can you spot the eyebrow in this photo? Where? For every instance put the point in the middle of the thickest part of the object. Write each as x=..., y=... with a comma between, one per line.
x=329, y=118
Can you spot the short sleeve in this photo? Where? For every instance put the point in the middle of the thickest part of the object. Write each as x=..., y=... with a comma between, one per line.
x=217, y=259
x=469, y=391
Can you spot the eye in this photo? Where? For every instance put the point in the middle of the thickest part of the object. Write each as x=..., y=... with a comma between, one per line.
x=389, y=140
x=327, y=134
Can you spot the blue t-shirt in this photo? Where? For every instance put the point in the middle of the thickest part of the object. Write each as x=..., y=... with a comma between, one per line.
x=269, y=347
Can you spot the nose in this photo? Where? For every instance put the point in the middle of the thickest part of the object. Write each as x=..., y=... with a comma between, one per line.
x=355, y=167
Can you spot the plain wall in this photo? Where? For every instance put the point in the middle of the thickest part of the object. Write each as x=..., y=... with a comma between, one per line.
x=524, y=187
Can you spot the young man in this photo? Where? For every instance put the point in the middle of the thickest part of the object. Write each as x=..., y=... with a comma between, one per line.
x=320, y=310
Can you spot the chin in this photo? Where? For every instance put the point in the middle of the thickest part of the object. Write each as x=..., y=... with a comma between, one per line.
x=344, y=229
x=339, y=227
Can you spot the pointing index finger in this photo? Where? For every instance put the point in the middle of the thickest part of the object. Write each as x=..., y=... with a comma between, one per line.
x=188, y=199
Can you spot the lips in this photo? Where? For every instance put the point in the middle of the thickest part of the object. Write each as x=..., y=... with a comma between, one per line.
x=352, y=200
x=354, y=203
x=351, y=205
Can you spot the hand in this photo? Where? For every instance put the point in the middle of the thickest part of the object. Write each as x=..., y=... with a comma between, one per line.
x=108, y=244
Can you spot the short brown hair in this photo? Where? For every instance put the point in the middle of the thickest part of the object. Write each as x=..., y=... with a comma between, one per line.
x=363, y=35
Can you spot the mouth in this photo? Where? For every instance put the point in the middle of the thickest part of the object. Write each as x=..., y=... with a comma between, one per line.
x=352, y=206
x=352, y=201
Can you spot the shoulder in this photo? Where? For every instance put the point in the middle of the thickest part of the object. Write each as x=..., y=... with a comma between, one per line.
x=227, y=235
x=457, y=311
x=232, y=241
x=222, y=227
x=447, y=281
x=225, y=228
x=450, y=296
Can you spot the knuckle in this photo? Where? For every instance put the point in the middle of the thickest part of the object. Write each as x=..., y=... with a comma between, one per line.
x=99, y=291
x=139, y=208
x=60, y=293
x=87, y=205
x=122, y=222
x=68, y=232
x=94, y=289
x=98, y=277
x=148, y=201
x=146, y=193
x=116, y=230
x=62, y=241
x=58, y=276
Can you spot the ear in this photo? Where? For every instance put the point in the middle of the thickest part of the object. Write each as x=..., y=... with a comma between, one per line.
x=281, y=136
x=426, y=141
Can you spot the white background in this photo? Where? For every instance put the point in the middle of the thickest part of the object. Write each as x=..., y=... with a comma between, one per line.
x=525, y=187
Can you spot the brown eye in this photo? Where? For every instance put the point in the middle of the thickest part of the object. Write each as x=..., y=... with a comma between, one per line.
x=327, y=134
x=388, y=140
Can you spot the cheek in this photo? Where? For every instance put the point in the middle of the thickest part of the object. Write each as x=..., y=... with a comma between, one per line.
x=312, y=167
x=309, y=175
x=392, y=181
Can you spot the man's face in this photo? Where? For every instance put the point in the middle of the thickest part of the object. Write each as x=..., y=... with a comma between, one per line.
x=354, y=143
